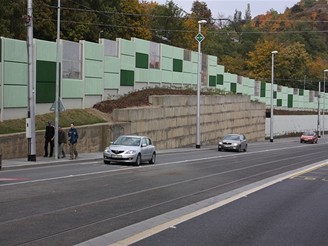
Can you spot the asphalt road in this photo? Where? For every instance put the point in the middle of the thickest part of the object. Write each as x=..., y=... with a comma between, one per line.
x=289, y=213
x=69, y=204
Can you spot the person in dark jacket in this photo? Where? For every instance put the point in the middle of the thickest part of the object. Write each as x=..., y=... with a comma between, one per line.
x=72, y=138
x=49, y=139
x=62, y=140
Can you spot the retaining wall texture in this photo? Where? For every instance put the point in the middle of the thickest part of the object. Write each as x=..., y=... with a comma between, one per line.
x=170, y=122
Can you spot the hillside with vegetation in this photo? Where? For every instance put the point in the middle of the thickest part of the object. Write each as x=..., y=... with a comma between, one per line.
x=242, y=43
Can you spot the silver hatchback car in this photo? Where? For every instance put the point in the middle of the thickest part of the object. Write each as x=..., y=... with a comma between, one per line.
x=237, y=142
x=131, y=149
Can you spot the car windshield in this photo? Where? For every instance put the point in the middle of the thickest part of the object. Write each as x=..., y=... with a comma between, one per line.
x=232, y=137
x=127, y=141
x=308, y=134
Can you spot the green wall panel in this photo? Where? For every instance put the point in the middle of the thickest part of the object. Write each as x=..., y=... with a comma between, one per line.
x=194, y=57
x=127, y=78
x=111, y=80
x=93, y=86
x=177, y=65
x=177, y=53
x=187, y=66
x=46, y=50
x=45, y=81
x=212, y=61
x=167, y=76
x=301, y=92
x=220, y=79
x=187, y=78
x=15, y=96
x=233, y=87
x=142, y=60
x=212, y=80
x=73, y=88
x=177, y=77
x=142, y=75
x=112, y=65
x=127, y=47
x=15, y=73
x=279, y=102
x=93, y=51
x=15, y=50
x=93, y=69
x=142, y=46
x=128, y=62
x=219, y=69
x=167, y=50
x=263, y=86
x=45, y=92
x=167, y=63
x=290, y=101
x=155, y=75
x=46, y=71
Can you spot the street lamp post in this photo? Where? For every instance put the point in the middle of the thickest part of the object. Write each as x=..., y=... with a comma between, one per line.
x=318, y=123
x=57, y=82
x=323, y=104
x=272, y=79
x=199, y=37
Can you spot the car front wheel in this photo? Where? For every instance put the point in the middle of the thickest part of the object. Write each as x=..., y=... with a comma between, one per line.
x=138, y=160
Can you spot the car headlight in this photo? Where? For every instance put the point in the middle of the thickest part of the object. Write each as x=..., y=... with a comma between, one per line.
x=131, y=152
x=107, y=150
x=220, y=143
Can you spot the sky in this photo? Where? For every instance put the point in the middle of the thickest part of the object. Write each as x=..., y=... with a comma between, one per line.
x=226, y=8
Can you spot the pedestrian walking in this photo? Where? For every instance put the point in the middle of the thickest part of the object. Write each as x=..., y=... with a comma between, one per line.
x=72, y=138
x=62, y=140
x=49, y=139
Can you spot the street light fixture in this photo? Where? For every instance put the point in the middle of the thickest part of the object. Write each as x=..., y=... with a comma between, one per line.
x=99, y=35
x=199, y=37
x=323, y=104
x=272, y=79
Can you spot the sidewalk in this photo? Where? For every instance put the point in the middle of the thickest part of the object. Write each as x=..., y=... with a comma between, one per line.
x=82, y=157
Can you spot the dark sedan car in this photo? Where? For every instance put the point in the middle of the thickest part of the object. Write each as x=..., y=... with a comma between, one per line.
x=309, y=137
x=237, y=142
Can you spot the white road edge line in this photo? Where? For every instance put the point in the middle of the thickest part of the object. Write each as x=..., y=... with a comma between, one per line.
x=147, y=228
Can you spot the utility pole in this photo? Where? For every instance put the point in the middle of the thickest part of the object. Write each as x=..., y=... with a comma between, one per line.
x=30, y=120
x=318, y=123
x=57, y=101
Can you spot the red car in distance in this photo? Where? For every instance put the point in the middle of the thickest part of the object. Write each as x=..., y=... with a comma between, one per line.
x=309, y=137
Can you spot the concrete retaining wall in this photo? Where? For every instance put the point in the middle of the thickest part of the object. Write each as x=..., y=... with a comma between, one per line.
x=170, y=122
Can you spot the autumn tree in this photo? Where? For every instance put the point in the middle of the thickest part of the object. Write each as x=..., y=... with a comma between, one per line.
x=260, y=60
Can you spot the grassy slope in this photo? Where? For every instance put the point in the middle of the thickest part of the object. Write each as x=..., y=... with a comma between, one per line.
x=78, y=116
